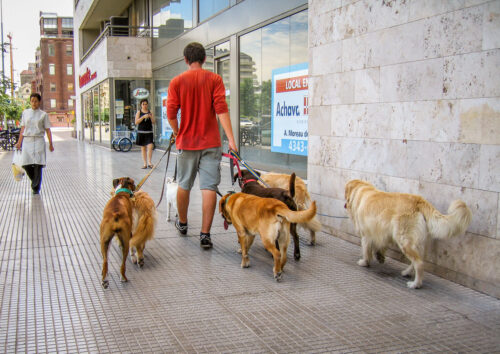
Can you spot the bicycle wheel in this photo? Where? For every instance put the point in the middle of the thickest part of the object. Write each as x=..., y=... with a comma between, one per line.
x=125, y=144
x=115, y=145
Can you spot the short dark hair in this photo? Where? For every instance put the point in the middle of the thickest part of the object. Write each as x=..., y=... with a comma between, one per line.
x=195, y=52
x=37, y=95
x=143, y=100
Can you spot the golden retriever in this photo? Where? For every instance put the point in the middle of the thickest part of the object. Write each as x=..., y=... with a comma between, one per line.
x=268, y=217
x=301, y=198
x=144, y=214
x=117, y=220
x=383, y=218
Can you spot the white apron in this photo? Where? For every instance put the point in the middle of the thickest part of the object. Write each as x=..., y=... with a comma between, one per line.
x=33, y=150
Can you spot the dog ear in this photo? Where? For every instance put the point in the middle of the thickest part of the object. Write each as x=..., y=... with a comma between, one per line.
x=257, y=173
x=235, y=177
x=116, y=182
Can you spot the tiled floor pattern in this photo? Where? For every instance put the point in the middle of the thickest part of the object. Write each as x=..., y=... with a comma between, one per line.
x=186, y=299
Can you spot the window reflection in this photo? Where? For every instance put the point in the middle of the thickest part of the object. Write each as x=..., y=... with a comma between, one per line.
x=172, y=17
x=280, y=44
x=208, y=8
x=162, y=79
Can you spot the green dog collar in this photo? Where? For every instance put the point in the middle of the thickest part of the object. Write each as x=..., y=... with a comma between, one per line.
x=126, y=190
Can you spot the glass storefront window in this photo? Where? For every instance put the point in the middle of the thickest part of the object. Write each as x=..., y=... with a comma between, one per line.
x=96, y=117
x=207, y=8
x=162, y=78
x=262, y=51
x=171, y=18
x=104, y=113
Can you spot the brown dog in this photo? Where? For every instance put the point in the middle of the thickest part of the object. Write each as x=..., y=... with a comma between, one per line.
x=383, y=218
x=250, y=185
x=144, y=214
x=117, y=220
x=301, y=198
x=270, y=218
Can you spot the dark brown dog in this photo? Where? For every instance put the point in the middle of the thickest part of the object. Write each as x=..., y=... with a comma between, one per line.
x=250, y=185
x=117, y=220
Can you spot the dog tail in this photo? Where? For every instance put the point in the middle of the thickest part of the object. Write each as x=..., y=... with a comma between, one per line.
x=313, y=224
x=445, y=226
x=302, y=216
x=291, y=187
x=145, y=227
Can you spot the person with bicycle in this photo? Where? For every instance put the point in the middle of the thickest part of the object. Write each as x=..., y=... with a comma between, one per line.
x=201, y=96
x=145, y=120
x=34, y=125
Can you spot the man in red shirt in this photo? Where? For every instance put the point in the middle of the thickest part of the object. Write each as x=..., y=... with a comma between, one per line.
x=200, y=95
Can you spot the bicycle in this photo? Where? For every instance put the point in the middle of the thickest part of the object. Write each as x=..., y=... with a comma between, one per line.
x=121, y=141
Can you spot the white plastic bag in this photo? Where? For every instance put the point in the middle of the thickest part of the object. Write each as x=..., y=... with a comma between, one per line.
x=17, y=169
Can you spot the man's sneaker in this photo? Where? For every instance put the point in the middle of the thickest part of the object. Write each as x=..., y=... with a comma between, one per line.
x=205, y=241
x=182, y=228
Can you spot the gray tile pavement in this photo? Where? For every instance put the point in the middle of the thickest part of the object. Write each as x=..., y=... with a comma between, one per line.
x=186, y=299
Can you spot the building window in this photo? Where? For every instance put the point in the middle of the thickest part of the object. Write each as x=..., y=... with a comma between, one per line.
x=50, y=23
x=53, y=103
x=208, y=8
x=272, y=50
x=69, y=49
x=172, y=17
x=52, y=50
x=52, y=69
x=70, y=86
x=69, y=69
x=52, y=87
x=70, y=103
x=67, y=23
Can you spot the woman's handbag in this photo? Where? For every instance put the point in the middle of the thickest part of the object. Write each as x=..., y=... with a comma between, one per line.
x=17, y=168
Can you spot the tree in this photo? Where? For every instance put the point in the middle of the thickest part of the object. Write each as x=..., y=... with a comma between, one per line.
x=10, y=108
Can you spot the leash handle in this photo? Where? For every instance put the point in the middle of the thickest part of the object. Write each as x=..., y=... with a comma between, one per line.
x=238, y=158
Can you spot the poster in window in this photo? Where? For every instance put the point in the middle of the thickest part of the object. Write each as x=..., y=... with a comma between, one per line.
x=289, y=113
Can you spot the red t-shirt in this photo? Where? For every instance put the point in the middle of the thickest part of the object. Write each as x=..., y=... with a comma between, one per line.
x=200, y=94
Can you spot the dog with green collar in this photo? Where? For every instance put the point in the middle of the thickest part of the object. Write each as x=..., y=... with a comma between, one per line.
x=117, y=221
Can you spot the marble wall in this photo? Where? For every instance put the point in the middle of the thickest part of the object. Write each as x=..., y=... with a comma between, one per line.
x=406, y=94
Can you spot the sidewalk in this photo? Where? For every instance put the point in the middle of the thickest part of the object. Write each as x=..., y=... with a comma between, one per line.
x=186, y=299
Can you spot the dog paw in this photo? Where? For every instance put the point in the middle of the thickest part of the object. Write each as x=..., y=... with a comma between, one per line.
x=380, y=257
x=123, y=279
x=413, y=285
x=363, y=263
x=277, y=277
x=296, y=256
x=134, y=259
x=407, y=272
x=105, y=284
x=141, y=263
x=239, y=251
x=312, y=243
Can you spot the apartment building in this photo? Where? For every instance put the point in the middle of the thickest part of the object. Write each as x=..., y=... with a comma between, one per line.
x=54, y=73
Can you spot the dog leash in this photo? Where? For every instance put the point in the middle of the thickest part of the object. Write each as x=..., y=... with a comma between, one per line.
x=235, y=159
x=331, y=216
x=172, y=140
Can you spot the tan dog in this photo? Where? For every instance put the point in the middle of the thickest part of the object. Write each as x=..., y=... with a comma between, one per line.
x=117, y=220
x=144, y=223
x=383, y=218
x=270, y=218
x=301, y=198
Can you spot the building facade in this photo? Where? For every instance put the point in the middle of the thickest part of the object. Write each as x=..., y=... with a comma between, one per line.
x=405, y=94
x=55, y=74
x=121, y=62
x=332, y=90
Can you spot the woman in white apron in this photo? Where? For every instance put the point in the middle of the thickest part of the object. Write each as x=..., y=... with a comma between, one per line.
x=34, y=124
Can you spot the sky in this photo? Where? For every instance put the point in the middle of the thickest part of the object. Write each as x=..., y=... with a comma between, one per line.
x=21, y=19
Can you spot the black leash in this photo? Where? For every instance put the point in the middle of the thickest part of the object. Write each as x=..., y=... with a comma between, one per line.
x=172, y=141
